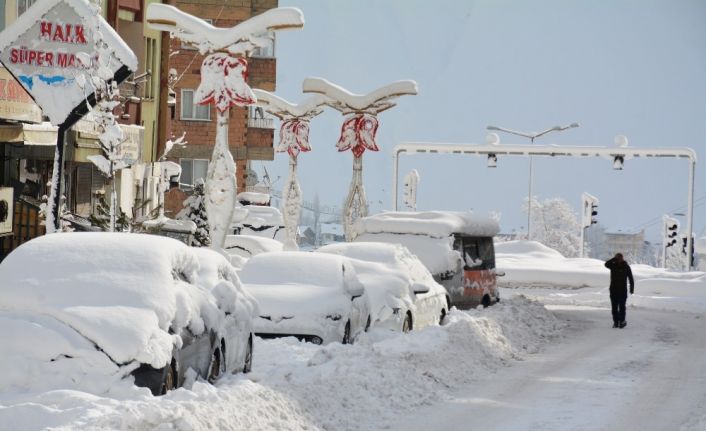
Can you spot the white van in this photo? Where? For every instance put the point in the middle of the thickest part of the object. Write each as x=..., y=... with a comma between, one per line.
x=456, y=247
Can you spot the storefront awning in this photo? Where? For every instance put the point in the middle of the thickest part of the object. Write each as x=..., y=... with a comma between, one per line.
x=30, y=134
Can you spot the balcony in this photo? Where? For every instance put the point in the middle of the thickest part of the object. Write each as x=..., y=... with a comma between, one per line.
x=261, y=123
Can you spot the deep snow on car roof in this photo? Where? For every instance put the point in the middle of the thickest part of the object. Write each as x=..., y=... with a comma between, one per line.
x=121, y=291
x=294, y=267
x=437, y=224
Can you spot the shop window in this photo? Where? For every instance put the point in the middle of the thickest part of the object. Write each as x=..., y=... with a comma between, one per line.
x=190, y=111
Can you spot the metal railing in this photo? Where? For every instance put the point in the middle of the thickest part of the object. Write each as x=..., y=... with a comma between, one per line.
x=261, y=123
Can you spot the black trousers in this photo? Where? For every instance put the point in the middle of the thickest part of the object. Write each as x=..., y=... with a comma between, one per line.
x=617, y=303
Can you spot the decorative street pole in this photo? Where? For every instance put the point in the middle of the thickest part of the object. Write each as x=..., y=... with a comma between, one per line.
x=224, y=75
x=358, y=132
x=293, y=138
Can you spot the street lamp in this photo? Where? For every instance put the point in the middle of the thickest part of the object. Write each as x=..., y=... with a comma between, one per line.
x=532, y=137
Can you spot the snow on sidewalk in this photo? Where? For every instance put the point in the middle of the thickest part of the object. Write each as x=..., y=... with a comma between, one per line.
x=542, y=273
x=303, y=386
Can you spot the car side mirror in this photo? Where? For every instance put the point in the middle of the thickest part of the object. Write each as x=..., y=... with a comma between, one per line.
x=419, y=288
x=499, y=273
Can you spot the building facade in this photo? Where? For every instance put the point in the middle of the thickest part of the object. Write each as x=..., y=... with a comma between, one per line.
x=631, y=244
x=27, y=143
x=250, y=134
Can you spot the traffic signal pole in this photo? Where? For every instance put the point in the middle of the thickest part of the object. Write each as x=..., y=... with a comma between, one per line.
x=619, y=154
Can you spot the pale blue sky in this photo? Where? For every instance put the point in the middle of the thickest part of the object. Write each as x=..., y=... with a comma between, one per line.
x=636, y=68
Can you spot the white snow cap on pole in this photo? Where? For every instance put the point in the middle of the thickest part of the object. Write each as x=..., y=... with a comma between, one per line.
x=239, y=39
x=283, y=109
x=374, y=102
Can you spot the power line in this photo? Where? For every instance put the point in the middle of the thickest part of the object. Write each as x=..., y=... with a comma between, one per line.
x=701, y=200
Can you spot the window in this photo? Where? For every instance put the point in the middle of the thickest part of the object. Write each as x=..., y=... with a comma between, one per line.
x=189, y=111
x=151, y=65
x=478, y=253
x=267, y=51
x=192, y=170
x=23, y=5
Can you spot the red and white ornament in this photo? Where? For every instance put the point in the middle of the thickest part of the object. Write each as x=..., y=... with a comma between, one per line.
x=294, y=137
x=224, y=82
x=358, y=134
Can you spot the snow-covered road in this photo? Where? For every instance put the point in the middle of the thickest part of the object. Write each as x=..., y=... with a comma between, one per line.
x=648, y=376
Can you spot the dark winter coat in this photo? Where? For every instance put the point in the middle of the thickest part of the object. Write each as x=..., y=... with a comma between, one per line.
x=620, y=273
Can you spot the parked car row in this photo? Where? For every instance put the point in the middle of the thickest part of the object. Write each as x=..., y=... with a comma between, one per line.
x=153, y=308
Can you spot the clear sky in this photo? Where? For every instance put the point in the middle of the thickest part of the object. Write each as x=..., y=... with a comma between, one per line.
x=636, y=68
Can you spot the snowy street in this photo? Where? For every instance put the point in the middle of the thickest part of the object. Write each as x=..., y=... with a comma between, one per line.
x=352, y=215
x=648, y=376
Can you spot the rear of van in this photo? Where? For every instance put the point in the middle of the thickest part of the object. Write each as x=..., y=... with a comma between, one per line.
x=456, y=247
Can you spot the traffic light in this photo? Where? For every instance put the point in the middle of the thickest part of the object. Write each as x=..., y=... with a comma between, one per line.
x=671, y=228
x=590, y=210
x=492, y=160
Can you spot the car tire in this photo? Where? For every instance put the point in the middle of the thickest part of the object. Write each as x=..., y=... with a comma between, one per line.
x=486, y=301
x=442, y=316
x=407, y=324
x=347, y=334
x=170, y=379
x=247, y=363
x=368, y=323
x=217, y=367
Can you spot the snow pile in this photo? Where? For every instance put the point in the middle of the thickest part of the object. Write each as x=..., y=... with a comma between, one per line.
x=529, y=263
x=437, y=224
x=560, y=280
x=240, y=248
x=259, y=221
x=299, y=386
x=253, y=198
x=127, y=294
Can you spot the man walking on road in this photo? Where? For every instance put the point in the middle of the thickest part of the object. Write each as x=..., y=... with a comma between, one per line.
x=620, y=273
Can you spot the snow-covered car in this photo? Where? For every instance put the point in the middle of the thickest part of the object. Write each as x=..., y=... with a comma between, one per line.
x=401, y=291
x=455, y=246
x=315, y=297
x=258, y=220
x=240, y=248
x=88, y=310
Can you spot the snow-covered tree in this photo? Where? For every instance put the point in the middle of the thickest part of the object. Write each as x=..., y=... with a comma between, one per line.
x=97, y=78
x=101, y=218
x=195, y=210
x=555, y=224
x=64, y=214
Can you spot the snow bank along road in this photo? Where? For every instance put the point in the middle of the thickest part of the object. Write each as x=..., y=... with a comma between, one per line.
x=648, y=376
x=301, y=386
x=513, y=366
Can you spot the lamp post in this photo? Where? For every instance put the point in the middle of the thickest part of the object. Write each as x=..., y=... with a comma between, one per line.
x=358, y=132
x=293, y=139
x=224, y=74
x=532, y=137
